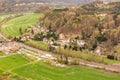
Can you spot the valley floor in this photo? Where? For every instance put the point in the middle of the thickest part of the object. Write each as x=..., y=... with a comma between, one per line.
x=29, y=63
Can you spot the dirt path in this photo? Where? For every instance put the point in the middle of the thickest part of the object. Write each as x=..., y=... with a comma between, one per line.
x=107, y=67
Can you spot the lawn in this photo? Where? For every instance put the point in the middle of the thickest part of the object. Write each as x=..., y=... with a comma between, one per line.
x=37, y=44
x=11, y=28
x=42, y=71
x=12, y=61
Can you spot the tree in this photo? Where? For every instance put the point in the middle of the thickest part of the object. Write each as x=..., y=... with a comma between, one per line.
x=117, y=20
x=87, y=31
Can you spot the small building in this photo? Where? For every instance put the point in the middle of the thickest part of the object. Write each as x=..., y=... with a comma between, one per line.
x=100, y=50
x=50, y=42
x=81, y=43
x=23, y=39
x=62, y=36
x=103, y=14
x=45, y=40
x=64, y=42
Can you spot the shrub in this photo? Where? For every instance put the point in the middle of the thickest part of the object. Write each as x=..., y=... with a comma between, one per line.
x=110, y=57
x=74, y=62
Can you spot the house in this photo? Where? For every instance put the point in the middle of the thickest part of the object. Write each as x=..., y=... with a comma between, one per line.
x=50, y=42
x=81, y=43
x=63, y=42
x=45, y=40
x=100, y=50
x=61, y=36
x=23, y=39
x=103, y=14
x=105, y=2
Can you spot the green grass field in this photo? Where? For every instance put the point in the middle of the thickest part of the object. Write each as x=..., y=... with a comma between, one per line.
x=42, y=71
x=11, y=28
x=21, y=68
x=12, y=61
x=1, y=72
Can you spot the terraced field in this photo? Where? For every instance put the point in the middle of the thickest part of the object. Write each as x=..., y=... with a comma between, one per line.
x=11, y=28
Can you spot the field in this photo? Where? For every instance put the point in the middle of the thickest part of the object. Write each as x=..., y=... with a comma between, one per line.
x=11, y=27
x=1, y=72
x=12, y=61
x=42, y=71
x=37, y=44
x=20, y=68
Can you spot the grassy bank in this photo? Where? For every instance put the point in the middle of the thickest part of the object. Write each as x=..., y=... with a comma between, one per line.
x=37, y=44
x=85, y=55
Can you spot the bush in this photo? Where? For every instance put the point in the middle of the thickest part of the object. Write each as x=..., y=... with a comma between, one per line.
x=74, y=62
x=110, y=57
x=51, y=48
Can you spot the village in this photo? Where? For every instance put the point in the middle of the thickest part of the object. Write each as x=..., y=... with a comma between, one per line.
x=61, y=41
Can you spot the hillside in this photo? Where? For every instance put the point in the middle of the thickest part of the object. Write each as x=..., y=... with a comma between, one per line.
x=92, y=23
x=31, y=5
